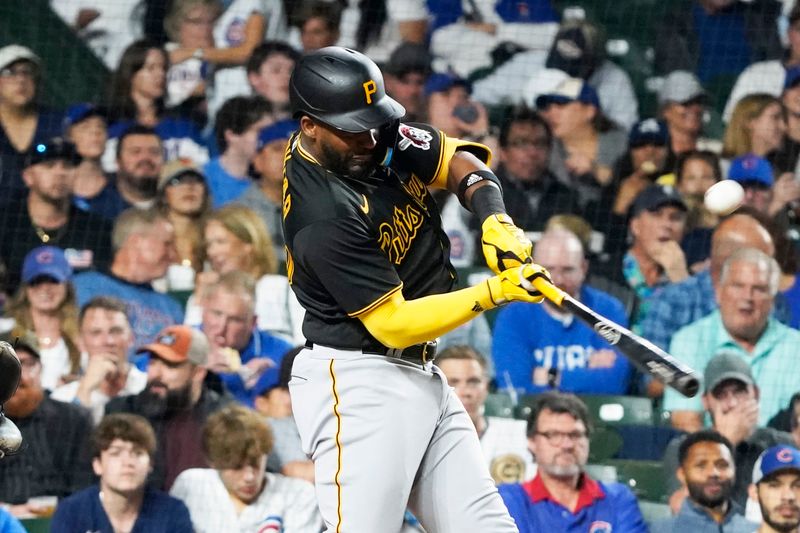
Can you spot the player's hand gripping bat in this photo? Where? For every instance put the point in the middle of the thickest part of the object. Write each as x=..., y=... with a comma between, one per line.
x=644, y=354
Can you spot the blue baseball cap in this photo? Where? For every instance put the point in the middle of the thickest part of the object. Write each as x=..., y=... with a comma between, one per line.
x=751, y=169
x=79, y=112
x=46, y=261
x=648, y=131
x=776, y=459
x=443, y=81
x=792, y=78
x=570, y=90
x=282, y=130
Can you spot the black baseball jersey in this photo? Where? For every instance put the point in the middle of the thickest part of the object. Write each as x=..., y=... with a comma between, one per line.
x=351, y=244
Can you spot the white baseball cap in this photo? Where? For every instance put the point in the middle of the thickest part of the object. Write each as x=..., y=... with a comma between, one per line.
x=681, y=86
x=16, y=52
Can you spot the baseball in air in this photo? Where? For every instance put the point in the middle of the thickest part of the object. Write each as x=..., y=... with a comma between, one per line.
x=724, y=197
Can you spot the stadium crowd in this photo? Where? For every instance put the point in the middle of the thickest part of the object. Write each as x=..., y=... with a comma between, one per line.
x=145, y=285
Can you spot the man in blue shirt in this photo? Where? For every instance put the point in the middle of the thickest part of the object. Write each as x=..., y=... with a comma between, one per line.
x=539, y=347
x=707, y=469
x=245, y=358
x=124, y=448
x=562, y=497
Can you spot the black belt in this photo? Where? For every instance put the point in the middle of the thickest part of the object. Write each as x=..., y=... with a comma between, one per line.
x=418, y=353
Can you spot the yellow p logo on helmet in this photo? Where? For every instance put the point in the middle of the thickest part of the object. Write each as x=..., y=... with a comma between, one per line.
x=369, y=89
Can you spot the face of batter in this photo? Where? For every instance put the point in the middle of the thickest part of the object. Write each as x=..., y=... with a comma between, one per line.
x=350, y=155
x=246, y=482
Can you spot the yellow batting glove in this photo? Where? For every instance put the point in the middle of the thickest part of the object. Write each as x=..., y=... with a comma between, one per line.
x=516, y=284
x=504, y=244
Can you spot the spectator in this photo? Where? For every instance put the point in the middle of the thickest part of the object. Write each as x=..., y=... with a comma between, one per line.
x=682, y=102
x=405, y=75
x=787, y=156
x=144, y=247
x=645, y=160
x=9, y=524
x=45, y=215
x=680, y=304
x=24, y=124
x=237, y=239
x=319, y=25
x=468, y=35
x=655, y=259
x=788, y=419
x=268, y=71
x=756, y=127
x=242, y=355
x=238, y=123
x=579, y=50
x=123, y=448
x=562, y=497
x=273, y=401
x=776, y=486
x=106, y=29
x=184, y=199
x=85, y=126
x=762, y=191
x=746, y=292
x=45, y=307
x=716, y=38
x=452, y=110
x=236, y=493
x=768, y=76
x=731, y=399
x=189, y=24
x=56, y=461
x=695, y=172
x=175, y=401
x=502, y=439
x=376, y=27
x=137, y=96
x=106, y=339
x=587, y=143
x=243, y=25
x=707, y=468
x=265, y=194
x=560, y=353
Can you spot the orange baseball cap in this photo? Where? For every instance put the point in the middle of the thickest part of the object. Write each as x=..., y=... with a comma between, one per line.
x=178, y=344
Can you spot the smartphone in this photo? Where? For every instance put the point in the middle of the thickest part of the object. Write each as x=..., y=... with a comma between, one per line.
x=466, y=112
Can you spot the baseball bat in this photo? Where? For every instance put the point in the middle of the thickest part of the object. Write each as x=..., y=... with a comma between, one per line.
x=644, y=354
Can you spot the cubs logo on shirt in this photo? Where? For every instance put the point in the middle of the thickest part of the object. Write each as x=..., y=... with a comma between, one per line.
x=235, y=32
x=272, y=524
x=599, y=526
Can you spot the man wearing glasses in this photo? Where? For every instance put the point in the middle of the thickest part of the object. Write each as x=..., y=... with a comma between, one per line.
x=562, y=497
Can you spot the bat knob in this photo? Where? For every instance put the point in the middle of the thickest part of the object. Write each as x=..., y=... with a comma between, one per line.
x=687, y=385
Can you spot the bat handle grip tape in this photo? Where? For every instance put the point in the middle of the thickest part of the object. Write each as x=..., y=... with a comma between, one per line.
x=550, y=291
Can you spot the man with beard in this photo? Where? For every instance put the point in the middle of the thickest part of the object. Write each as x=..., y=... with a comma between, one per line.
x=562, y=497
x=44, y=214
x=175, y=401
x=54, y=459
x=140, y=156
x=776, y=485
x=707, y=469
x=144, y=247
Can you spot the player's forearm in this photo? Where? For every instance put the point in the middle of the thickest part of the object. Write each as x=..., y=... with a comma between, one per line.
x=398, y=322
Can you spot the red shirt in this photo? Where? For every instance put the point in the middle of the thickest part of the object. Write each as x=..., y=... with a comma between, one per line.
x=588, y=492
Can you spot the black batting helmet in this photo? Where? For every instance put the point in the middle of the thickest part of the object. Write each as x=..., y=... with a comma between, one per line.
x=342, y=88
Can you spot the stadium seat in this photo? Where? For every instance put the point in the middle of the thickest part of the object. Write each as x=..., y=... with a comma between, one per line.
x=36, y=525
x=611, y=410
x=499, y=404
x=654, y=511
x=605, y=443
x=644, y=478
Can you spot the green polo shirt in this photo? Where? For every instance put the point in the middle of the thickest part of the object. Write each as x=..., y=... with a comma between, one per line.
x=775, y=362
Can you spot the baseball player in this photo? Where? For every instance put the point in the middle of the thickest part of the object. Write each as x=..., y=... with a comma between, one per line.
x=10, y=372
x=368, y=260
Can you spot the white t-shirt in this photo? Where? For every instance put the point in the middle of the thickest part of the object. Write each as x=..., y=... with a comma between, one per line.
x=55, y=364
x=133, y=385
x=229, y=32
x=505, y=448
x=397, y=11
x=285, y=504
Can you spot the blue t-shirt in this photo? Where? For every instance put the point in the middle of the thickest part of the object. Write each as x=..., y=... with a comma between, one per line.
x=223, y=187
x=83, y=512
x=724, y=47
x=792, y=299
x=527, y=338
x=108, y=203
x=148, y=311
x=602, y=507
x=262, y=344
x=9, y=524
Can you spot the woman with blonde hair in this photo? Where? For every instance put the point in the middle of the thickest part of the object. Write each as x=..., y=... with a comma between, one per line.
x=45, y=307
x=236, y=238
x=757, y=126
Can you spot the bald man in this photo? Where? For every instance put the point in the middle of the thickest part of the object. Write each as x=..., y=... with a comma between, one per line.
x=540, y=347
